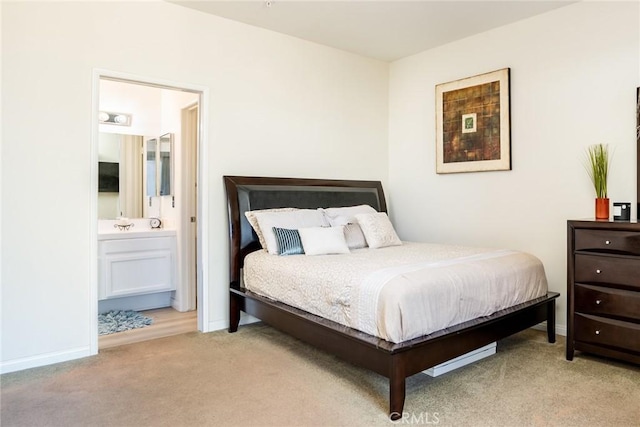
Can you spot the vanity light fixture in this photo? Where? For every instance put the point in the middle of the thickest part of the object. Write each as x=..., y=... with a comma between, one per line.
x=120, y=119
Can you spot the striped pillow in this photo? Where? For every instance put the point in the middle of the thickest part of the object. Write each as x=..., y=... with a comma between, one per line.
x=289, y=242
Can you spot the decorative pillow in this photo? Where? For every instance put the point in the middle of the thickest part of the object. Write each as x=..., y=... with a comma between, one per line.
x=289, y=242
x=323, y=240
x=251, y=217
x=346, y=215
x=378, y=230
x=354, y=236
x=292, y=220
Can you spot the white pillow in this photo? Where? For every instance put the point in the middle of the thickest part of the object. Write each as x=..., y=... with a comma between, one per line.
x=378, y=230
x=346, y=215
x=323, y=240
x=292, y=220
x=251, y=217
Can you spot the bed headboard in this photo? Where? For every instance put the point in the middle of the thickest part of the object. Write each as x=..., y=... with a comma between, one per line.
x=245, y=193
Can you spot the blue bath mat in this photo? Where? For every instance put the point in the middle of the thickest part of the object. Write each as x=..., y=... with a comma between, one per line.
x=121, y=320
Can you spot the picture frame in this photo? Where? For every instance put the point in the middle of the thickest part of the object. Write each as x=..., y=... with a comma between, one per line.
x=473, y=124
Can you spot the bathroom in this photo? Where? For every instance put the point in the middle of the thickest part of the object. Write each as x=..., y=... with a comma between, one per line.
x=147, y=204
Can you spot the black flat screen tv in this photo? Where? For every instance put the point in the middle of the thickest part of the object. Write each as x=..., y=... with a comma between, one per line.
x=108, y=177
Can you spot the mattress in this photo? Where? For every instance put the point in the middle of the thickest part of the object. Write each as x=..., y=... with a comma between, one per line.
x=401, y=292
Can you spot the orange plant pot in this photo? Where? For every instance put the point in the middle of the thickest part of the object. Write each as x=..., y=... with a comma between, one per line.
x=602, y=208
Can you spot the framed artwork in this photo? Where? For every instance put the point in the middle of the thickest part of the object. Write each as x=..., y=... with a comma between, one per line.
x=473, y=131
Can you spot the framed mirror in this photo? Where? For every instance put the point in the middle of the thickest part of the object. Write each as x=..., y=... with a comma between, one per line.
x=159, y=154
x=150, y=156
x=165, y=165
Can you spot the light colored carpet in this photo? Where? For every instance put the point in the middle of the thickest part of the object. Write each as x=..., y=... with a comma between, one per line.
x=260, y=377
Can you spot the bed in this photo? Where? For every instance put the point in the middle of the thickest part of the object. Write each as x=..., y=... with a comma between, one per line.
x=394, y=360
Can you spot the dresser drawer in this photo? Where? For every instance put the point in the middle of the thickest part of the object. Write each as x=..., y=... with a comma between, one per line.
x=607, y=269
x=607, y=301
x=607, y=332
x=622, y=242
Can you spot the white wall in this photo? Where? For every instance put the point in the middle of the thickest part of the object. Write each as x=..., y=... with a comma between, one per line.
x=574, y=73
x=277, y=106
x=144, y=103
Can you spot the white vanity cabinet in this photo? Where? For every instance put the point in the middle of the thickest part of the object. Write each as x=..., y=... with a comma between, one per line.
x=132, y=264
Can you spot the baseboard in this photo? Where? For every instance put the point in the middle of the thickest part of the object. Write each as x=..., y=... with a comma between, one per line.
x=137, y=303
x=43, y=359
x=219, y=325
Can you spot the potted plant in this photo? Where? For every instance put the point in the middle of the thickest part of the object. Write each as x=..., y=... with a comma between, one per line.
x=597, y=165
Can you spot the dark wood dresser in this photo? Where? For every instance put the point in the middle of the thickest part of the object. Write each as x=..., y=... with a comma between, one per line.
x=603, y=289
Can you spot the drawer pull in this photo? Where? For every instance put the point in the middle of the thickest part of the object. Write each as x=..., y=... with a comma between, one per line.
x=597, y=332
x=606, y=242
x=598, y=271
x=598, y=301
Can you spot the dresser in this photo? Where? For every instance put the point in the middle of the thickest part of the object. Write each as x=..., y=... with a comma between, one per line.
x=603, y=289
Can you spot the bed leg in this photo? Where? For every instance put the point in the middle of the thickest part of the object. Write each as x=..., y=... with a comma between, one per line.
x=396, y=391
x=234, y=312
x=551, y=321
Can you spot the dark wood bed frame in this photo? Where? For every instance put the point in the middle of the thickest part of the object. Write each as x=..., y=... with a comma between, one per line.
x=394, y=361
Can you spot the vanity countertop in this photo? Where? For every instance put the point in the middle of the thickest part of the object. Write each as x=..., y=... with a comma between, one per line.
x=134, y=234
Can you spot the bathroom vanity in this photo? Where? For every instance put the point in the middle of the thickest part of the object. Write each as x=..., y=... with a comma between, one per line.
x=139, y=264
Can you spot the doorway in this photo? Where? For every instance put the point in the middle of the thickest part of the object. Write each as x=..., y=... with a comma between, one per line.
x=169, y=115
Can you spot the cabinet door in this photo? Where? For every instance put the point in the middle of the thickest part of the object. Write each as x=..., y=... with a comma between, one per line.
x=136, y=266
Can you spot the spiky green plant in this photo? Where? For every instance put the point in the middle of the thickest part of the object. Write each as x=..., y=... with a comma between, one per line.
x=597, y=165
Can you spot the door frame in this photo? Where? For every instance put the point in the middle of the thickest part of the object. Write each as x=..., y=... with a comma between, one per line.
x=202, y=195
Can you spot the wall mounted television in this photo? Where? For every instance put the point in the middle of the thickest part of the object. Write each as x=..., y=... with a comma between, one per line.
x=108, y=177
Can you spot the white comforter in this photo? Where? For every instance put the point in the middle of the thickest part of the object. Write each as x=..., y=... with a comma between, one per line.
x=400, y=292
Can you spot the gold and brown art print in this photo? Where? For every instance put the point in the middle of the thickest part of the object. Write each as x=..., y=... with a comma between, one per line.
x=472, y=124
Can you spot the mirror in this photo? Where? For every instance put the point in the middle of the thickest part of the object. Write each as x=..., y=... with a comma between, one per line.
x=159, y=165
x=165, y=165
x=130, y=170
x=150, y=158
x=119, y=175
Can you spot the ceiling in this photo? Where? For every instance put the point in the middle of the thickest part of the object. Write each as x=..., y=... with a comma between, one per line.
x=381, y=29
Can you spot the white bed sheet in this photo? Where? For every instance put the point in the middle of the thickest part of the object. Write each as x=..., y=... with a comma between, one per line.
x=401, y=292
